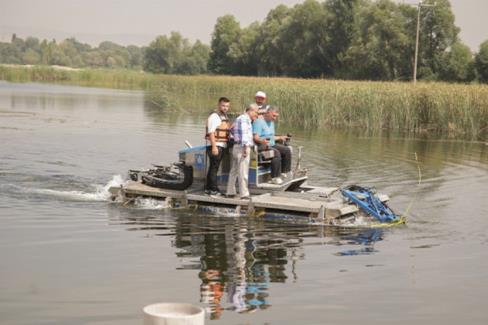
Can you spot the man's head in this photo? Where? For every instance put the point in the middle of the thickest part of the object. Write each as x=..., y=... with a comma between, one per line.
x=252, y=111
x=224, y=104
x=271, y=114
x=260, y=98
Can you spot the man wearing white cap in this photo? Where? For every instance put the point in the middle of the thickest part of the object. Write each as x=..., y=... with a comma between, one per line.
x=261, y=102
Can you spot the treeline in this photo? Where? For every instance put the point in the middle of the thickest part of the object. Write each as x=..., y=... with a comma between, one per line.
x=336, y=39
x=70, y=53
x=348, y=39
x=171, y=55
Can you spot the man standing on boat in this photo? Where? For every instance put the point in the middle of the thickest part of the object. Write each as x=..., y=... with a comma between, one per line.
x=260, y=98
x=241, y=151
x=218, y=126
x=264, y=136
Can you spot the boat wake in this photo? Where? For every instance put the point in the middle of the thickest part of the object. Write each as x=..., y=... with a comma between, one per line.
x=150, y=204
x=100, y=193
x=84, y=193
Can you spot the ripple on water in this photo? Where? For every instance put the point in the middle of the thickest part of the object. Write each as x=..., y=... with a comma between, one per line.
x=60, y=236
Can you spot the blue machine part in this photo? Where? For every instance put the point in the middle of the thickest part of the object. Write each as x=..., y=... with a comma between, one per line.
x=369, y=202
x=193, y=149
x=199, y=161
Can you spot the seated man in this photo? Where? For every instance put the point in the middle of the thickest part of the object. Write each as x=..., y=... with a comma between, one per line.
x=264, y=136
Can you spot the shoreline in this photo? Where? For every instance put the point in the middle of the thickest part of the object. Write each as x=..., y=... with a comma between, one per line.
x=458, y=111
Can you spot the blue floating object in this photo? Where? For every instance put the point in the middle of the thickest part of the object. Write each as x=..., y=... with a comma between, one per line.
x=369, y=202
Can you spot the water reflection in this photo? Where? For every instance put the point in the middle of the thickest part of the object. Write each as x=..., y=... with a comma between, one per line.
x=365, y=239
x=68, y=98
x=239, y=259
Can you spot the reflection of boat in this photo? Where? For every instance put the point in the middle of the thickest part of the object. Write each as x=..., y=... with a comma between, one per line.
x=182, y=186
x=239, y=259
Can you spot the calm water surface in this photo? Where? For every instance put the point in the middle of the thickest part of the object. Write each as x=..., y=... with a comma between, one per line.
x=68, y=256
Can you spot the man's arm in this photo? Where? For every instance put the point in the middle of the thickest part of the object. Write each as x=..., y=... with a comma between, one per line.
x=213, y=144
x=258, y=140
x=211, y=135
x=281, y=138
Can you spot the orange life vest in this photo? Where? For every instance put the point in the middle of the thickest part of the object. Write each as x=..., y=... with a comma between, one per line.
x=222, y=131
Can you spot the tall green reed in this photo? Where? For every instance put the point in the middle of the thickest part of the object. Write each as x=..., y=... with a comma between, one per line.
x=457, y=110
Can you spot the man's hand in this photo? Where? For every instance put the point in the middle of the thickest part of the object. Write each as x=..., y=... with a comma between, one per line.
x=215, y=151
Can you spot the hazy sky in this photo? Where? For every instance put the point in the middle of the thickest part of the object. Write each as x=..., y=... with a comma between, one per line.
x=138, y=22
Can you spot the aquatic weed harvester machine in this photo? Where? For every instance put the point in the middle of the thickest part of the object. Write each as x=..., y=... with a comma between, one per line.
x=181, y=185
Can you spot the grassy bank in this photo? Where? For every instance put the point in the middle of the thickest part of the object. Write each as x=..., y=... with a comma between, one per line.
x=454, y=109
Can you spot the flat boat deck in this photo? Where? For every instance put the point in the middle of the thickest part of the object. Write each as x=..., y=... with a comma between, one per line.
x=319, y=202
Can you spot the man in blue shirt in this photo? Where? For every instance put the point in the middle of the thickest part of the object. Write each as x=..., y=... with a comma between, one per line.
x=243, y=141
x=264, y=136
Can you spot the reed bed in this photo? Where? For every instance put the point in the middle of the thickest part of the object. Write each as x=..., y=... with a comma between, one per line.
x=459, y=110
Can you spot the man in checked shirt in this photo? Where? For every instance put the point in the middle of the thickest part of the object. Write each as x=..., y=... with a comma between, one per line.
x=243, y=141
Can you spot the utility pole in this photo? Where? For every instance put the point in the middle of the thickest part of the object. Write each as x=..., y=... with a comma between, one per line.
x=420, y=5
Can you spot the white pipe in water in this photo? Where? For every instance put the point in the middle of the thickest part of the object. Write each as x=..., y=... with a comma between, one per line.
x=173, y=314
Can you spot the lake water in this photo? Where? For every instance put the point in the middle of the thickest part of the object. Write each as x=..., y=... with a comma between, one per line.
x=69, y=256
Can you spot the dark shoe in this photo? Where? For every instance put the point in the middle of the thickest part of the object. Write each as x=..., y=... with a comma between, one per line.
x=230, y=196
x=245, y=198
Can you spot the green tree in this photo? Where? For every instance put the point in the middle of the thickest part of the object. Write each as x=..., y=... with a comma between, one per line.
x=10, y=54
x=481, y=62
x=380, y=49
x=244, y=51
x=226, y=32
x=438, y=33
x=341, y=22
x=175, y=55
x=32, y=43
x=199, y=57
x=52, y=53
x=458, y=64
x=136, y=55
x=31, y=57
x=114, y=55
x=45, y=52
x=162, y=54
x=18, y=43
x=59, y=58
x=70, y=50
x=157, y=56
x=269, y=45
x=93, y=59
x=304, y=40
x=179, y=49
x=14, y=51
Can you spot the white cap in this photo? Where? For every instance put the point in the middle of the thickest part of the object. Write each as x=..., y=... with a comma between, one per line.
x=260, y=94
